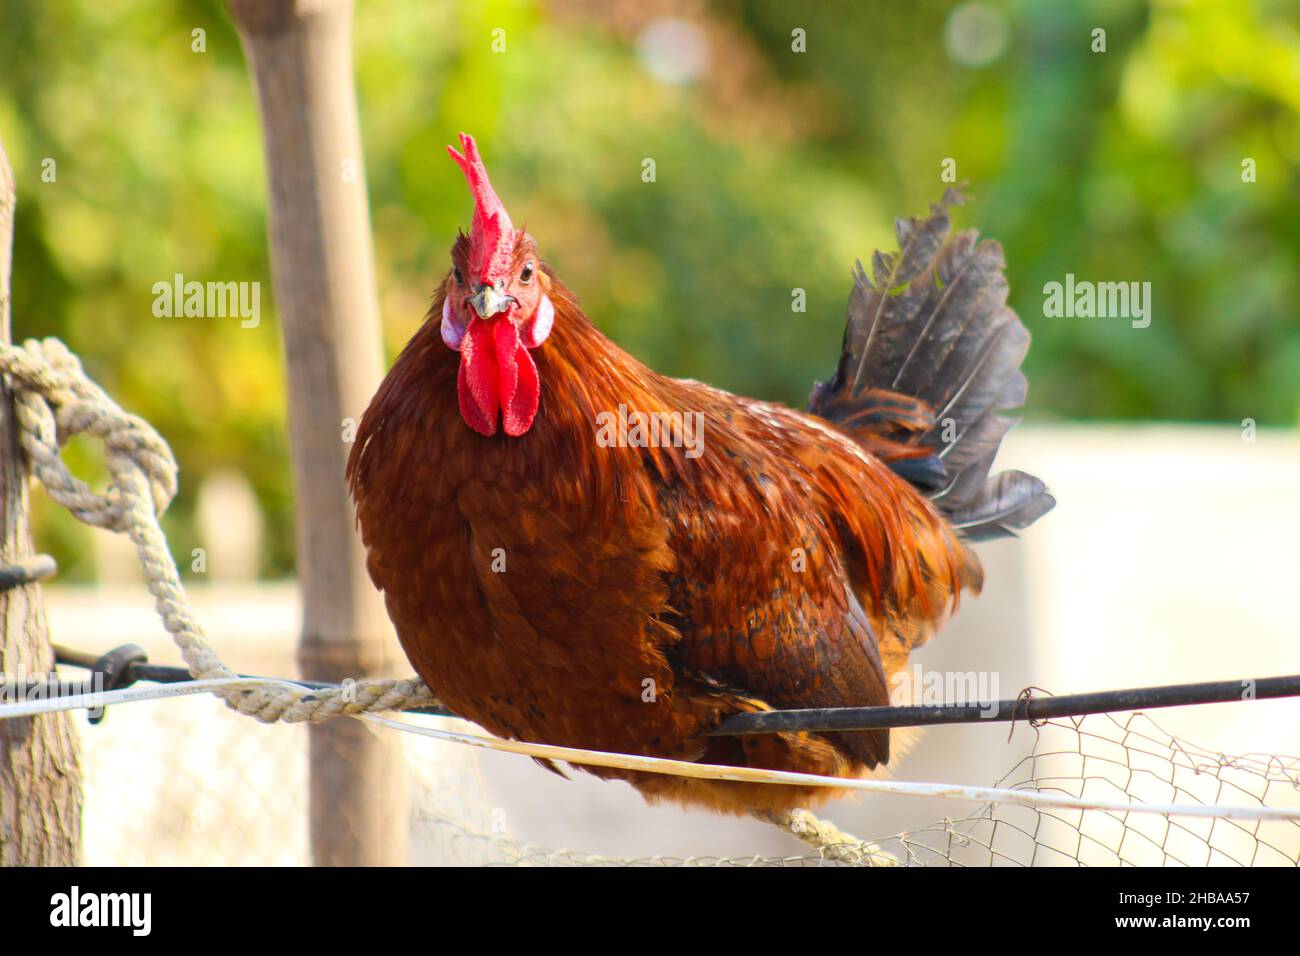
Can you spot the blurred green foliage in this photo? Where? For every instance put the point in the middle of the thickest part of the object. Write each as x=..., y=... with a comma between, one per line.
x=775, y=169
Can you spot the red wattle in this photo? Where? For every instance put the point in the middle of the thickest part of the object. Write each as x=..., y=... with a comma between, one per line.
x=477, y=382
x=520, y=389
x=497, y=375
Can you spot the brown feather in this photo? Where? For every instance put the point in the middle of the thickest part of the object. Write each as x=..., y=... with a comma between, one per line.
x=647, y=595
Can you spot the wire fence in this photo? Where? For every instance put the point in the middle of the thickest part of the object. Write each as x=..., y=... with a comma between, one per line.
x=188, y=782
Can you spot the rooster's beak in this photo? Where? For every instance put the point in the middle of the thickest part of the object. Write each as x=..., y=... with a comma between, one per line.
x=489, y=301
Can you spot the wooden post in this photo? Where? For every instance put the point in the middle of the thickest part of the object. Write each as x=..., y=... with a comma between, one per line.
x=40, y=777
x=321, y=260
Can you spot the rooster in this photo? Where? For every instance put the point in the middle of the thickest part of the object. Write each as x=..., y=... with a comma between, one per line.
x=556, y=583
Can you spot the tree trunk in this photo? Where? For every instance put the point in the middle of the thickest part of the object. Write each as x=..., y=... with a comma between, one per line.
x=40, y=777
x=321, y=260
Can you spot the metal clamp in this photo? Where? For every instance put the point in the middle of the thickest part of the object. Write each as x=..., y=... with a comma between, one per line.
x=26, y=571
x=116, y=669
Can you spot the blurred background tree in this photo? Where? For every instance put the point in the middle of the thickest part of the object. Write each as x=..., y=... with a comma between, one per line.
x=775, y=168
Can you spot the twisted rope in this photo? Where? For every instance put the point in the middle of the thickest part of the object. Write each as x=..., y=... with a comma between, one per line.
x=54, y=400
x=834, y=845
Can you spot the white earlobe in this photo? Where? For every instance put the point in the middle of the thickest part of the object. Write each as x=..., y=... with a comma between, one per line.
x=452, y=331
x=534, y=332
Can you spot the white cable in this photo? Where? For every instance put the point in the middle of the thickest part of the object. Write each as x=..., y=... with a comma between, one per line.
x=93, y=700
x=947, y=791
x=679, y=768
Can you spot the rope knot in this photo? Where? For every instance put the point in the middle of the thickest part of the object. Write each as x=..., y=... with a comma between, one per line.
x=54, y=400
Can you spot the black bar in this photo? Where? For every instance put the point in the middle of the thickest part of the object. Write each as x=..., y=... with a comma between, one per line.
x=1094, y=903
x=1024, y=708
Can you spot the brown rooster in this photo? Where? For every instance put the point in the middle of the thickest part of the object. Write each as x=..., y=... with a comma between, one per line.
x=579, y=551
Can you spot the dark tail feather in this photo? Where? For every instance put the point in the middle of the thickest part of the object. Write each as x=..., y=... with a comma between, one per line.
x=931, y=358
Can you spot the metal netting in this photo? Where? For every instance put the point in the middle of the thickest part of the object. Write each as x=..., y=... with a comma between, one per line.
x=1102, y=757
x=189, y=782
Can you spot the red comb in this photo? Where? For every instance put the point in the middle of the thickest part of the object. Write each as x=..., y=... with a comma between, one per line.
x=492, y=235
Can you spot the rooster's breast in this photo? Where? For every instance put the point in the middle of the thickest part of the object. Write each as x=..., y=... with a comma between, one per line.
x=528, y=608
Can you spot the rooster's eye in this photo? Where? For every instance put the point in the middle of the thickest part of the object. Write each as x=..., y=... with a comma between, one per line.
x=527, y=275
x=455, y=271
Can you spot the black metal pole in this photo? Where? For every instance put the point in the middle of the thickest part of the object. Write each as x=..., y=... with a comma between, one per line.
x=1022, y=708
